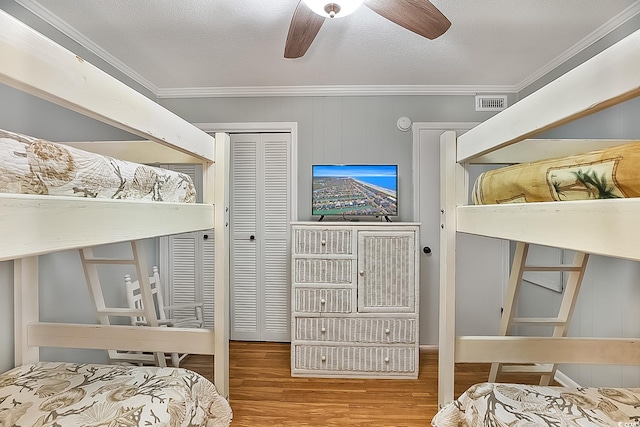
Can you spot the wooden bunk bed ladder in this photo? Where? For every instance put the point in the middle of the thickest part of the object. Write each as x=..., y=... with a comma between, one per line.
x=560, y=323
x=90, y=266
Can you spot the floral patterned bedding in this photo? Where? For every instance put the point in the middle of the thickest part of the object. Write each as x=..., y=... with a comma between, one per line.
x=67, y=394
x=34, y=166
x=603, y=174
x=490, y=404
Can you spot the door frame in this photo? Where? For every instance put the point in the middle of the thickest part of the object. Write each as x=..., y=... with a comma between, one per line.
x=267, y=127
x=417, y=161
x=416, y=128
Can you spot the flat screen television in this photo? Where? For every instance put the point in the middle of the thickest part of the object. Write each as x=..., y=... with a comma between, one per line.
x=354, y=190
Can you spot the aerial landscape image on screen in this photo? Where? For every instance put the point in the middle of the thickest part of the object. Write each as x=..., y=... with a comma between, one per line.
x=355, y=190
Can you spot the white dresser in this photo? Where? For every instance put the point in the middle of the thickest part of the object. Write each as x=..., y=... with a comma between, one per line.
x=354, y=300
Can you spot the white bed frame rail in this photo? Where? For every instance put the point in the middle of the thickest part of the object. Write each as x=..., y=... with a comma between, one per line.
x=607, y=79
x=38, y=66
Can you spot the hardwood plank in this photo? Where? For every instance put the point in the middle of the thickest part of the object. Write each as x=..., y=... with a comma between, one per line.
x=263, y=393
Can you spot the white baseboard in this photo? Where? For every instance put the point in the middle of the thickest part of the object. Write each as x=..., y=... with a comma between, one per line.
x=428, y=347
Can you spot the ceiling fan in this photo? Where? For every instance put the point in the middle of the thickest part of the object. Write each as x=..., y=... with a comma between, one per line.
x=419, y=16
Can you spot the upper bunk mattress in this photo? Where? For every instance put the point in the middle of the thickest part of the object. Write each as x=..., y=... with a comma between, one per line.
x=602, y=174
x=35, y=166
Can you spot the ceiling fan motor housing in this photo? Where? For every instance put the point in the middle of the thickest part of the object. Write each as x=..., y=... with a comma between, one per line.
x=332, y=9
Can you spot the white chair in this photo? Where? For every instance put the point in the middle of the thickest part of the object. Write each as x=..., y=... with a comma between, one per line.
x=193, y=318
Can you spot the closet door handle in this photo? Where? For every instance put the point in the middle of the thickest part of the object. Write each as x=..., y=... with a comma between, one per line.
x=252, y=237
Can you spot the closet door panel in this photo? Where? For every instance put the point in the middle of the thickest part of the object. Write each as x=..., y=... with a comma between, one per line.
x=244, y=232
x=275, y=237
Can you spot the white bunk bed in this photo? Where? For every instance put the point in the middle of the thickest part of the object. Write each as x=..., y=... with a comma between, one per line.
x=607, y=79
x=38, y=66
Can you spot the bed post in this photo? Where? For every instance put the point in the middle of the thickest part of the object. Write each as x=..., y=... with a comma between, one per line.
x=221, y=292
x=25, y=302
x=452, y=184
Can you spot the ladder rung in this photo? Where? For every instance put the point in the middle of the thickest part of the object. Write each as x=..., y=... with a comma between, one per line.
x=539, y=321
x=109, y=261
x=121, y=312
x=559, y=267
x=525, y=369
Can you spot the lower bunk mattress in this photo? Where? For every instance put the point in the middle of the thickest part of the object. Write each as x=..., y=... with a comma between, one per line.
x=491, y=404
x=602, y=174
x=35, y=166
x=67, y=394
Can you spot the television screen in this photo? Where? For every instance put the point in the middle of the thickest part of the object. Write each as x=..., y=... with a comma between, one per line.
x=354, y=190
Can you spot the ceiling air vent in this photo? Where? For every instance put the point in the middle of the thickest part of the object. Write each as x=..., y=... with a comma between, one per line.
x=491, y=102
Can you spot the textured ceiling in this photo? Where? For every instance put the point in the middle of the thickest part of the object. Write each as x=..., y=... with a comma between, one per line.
x=209, y=46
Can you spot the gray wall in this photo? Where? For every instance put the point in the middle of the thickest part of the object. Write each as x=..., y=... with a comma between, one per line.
x=339, y=129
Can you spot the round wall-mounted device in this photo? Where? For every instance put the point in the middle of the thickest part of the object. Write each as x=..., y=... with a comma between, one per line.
x=404, y=124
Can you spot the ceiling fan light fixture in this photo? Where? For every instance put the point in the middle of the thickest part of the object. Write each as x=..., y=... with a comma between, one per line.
x=333, y=9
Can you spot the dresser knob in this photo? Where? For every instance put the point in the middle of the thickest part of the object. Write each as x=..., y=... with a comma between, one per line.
x=362, y=272
x=386, y=360
x=323, y=358
x=323, y=242
x=323, y=301
x=323, y=330
x=387, y=331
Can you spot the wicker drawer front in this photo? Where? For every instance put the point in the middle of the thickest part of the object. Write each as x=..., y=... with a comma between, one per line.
x=309, y=300
x=315, y=241
x=353, y=359
x=336, y=271
x=356, y=330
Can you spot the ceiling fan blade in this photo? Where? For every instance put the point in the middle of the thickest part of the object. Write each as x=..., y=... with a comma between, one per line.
x=305, y=24
x=419, y=16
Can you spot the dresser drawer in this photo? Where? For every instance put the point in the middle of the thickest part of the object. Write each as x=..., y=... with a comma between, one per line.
x=310, y=300
x=322, y=241
x=336, y=271
x=390, y=361
x=356, y=330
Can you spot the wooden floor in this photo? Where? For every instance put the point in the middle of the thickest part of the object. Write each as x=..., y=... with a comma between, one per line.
x=263, y=393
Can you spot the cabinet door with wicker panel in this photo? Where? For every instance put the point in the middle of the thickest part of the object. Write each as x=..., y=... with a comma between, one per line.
x=354, y=300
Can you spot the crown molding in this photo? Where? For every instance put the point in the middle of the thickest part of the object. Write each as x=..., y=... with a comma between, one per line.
x=43, y=13
x=349, y=90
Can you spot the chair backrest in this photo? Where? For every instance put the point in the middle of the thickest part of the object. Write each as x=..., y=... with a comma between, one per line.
x=134, y=297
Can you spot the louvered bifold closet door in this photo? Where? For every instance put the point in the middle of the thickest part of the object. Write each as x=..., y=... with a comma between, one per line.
x=187, y=261
x=276, y=192
x=259, y=229
x=244, y=251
